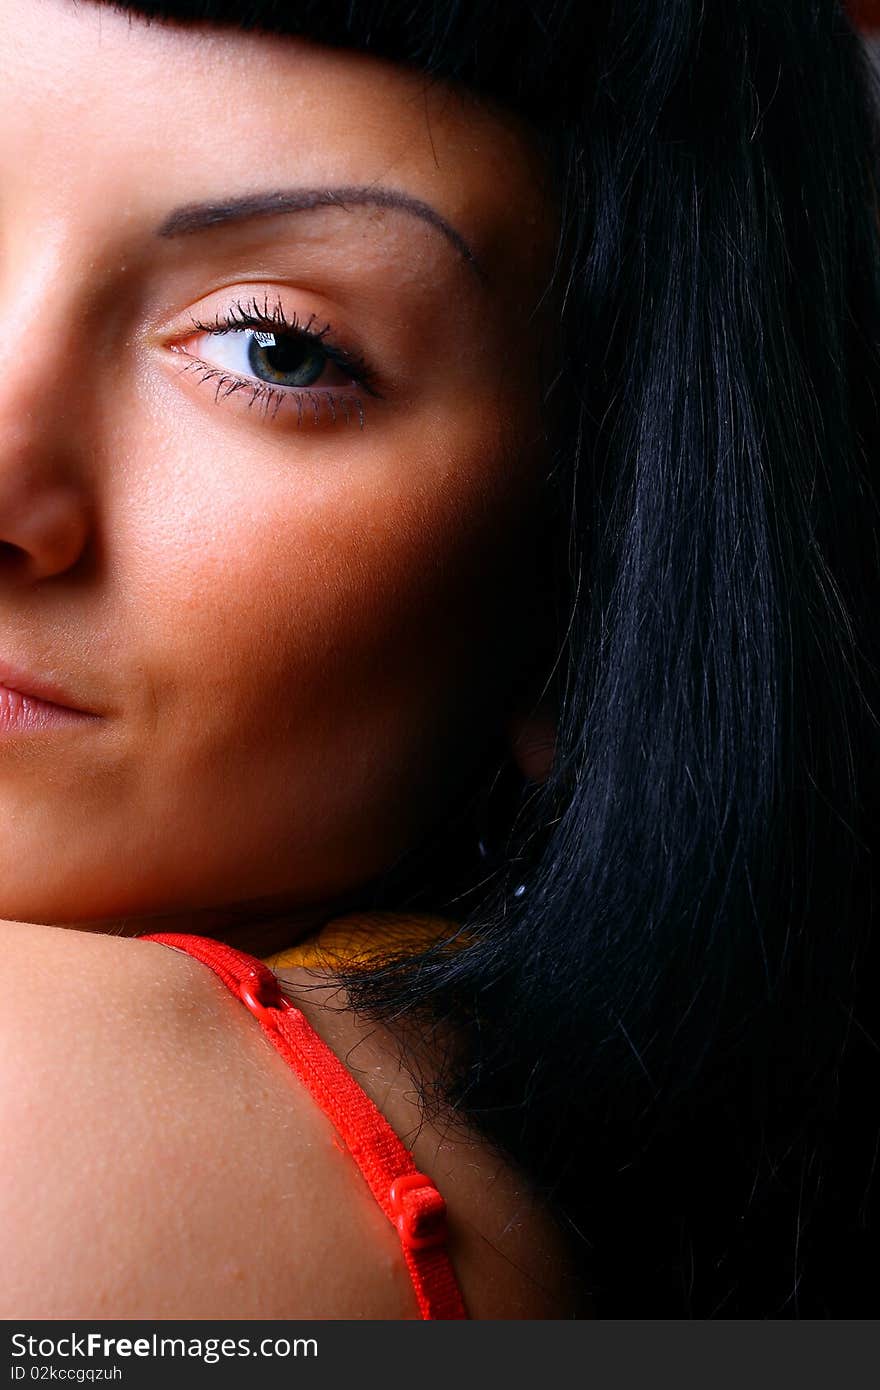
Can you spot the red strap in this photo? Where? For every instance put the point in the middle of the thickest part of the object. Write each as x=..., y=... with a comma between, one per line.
x=408, y=1198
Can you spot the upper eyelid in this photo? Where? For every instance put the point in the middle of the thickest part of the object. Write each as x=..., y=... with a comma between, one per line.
x=253, y=311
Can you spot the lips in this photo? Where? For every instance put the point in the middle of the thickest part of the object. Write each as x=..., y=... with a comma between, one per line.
x=18, y=685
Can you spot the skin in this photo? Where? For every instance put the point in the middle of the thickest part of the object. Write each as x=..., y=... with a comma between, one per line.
x=278, y=624
x=287, y=630
x=182, y=1172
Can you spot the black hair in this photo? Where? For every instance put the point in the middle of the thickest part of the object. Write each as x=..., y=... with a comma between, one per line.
x=663, y=989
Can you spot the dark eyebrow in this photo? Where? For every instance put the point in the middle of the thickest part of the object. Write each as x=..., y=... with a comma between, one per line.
x=197, y=217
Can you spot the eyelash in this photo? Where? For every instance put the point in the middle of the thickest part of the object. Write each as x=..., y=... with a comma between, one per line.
x=240, y=317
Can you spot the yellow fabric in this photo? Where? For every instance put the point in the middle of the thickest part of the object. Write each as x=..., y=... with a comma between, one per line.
x=364, y=938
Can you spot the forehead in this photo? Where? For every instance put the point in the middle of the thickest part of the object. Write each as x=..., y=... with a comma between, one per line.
x=94, y=102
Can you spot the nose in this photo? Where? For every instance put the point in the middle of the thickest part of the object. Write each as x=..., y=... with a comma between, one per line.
x=44, y=521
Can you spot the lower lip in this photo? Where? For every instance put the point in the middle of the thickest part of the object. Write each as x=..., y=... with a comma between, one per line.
x=25, y=714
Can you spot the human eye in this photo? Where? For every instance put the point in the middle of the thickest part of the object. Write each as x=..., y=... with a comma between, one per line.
x=279, y=362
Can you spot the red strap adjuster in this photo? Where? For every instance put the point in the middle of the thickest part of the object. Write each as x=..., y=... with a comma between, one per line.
x=419, y=1211
x=261, y=992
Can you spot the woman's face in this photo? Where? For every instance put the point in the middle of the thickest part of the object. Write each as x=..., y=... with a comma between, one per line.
x=271, y=562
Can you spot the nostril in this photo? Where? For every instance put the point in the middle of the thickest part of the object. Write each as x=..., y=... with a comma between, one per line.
x=15, y=565
x=44, y=534
x=10, y=555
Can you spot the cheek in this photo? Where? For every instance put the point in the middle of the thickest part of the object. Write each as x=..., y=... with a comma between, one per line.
x=315, y=642
x=289, y=587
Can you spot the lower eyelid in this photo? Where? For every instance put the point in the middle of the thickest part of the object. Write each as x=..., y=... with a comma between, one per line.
x=306, y=404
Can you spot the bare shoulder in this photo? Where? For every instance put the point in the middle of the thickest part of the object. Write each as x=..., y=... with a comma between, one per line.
x=158, y=1159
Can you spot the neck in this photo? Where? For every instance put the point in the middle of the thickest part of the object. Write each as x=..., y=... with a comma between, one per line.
x=261, y=927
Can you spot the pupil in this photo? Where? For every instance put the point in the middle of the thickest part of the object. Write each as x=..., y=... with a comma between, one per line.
x=286, y=360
